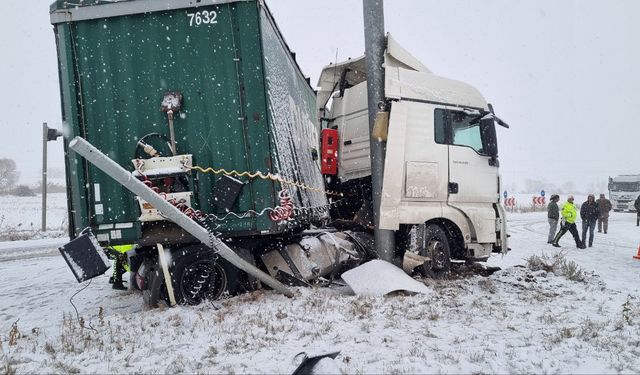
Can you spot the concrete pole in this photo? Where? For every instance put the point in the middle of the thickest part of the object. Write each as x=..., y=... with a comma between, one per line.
x=126, y=179
x=45, y=130
x=375, y=44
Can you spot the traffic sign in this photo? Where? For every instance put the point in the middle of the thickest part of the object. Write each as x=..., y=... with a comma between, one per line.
x=504, y=194
x=542, y=193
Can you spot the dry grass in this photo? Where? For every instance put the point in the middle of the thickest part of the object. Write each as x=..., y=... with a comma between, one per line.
x=557, y=264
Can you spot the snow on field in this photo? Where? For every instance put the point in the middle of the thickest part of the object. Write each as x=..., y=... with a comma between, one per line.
x=518, y=320
x=21, y=217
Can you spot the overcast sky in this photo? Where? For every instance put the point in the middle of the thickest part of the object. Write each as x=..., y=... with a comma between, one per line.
x=564, y=74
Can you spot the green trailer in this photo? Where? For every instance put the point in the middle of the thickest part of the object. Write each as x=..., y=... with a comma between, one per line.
x=241, y=104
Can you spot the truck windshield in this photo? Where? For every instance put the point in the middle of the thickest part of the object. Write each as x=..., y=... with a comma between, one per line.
x=625, y=186
x=461, y=129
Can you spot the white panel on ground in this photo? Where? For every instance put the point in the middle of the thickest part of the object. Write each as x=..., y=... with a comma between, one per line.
x=379, y=278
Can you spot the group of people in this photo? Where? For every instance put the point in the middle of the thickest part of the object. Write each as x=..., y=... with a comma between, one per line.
x=591, y=212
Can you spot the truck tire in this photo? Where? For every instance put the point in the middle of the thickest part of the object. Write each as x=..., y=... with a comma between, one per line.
x=437, y=248
x=197, y=274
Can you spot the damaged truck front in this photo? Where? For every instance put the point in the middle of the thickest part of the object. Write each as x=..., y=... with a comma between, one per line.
x=441, y=185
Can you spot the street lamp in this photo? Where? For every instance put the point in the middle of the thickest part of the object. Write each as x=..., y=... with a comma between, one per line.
x=47, y=135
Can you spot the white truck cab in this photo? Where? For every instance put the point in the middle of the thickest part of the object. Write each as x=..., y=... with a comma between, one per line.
x=441, y=166
x=623, y=191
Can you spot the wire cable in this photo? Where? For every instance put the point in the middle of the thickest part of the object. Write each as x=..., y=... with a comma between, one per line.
x=76, y=309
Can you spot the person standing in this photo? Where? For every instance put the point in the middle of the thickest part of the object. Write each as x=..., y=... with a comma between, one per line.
x=118, y=254
x=636, y=204
x=553, y=215
x=589, y=213
x=569, y=215
x=604, y=205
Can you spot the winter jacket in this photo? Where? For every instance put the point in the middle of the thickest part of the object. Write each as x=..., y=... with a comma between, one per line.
x=553, y=212
x=604, y=205
x=569, y=212
x=636, y=204
x=589, y=211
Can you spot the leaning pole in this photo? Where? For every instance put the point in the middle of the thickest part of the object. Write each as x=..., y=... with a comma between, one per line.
x=375, y=43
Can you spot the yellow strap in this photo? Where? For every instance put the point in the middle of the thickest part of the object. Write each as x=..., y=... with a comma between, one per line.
x=263, y=176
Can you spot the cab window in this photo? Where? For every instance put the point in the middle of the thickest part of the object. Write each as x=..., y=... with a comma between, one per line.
x=458, y=128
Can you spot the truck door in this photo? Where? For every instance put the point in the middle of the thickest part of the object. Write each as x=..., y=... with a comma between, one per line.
x=473, y=163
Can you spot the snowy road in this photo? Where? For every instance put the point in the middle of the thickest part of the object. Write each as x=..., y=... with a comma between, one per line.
x=517, y=320
x=610, y=257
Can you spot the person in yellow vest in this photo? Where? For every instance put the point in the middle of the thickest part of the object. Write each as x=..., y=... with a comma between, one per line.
x=569, y=214
x=119, y=255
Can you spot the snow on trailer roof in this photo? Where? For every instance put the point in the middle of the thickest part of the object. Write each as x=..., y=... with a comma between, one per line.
x=67, y=11
x=405, y=78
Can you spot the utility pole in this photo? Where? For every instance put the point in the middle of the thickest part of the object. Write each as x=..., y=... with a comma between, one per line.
x=47, y=135
x=375, y=44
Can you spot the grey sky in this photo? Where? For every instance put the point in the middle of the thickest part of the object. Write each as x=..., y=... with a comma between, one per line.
x=563, y=74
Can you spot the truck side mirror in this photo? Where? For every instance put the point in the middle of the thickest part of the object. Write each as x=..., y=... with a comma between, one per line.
x=488, y=130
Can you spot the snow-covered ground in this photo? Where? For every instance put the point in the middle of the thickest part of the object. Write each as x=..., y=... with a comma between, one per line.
x=21, y=217
x=516, y=321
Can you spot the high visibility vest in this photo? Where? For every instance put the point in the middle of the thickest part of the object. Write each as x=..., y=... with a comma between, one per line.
x=123, y=248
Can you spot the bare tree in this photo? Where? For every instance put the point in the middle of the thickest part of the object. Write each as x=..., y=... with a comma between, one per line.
x=8, y=174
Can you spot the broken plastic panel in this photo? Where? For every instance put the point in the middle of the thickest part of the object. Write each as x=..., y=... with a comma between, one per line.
x=85, y=257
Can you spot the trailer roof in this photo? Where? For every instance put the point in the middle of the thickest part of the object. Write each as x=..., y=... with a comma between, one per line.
x=67, y=11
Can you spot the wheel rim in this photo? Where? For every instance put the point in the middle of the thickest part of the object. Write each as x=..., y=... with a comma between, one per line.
x=437, y=252
x=202, y=280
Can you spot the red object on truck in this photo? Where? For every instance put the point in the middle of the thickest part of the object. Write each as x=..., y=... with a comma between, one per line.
x=329, y=152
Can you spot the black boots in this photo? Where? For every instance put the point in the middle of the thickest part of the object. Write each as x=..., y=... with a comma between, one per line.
x=119, y=285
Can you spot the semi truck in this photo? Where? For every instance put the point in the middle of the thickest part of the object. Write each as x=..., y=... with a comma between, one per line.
x=623, y=191
x=204, y=103
x=441, y=169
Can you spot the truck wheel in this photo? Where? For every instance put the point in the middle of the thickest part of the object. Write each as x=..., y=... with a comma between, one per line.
x=436, y=247
x=198, y=275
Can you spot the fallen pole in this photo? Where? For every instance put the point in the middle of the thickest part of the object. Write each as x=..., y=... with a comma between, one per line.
x=126, y=179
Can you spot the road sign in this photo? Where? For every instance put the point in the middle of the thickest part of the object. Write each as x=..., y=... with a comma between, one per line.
x=542, y=193
x=510, y=202
x=538, y=201
x=504, y=194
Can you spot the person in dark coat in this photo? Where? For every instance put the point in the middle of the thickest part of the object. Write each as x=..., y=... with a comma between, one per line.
x=553, y=215
x=589, y=213
x=605, y=206
x=636, y=204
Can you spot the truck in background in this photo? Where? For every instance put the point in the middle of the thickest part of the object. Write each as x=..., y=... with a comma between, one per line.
x=623, y=191
x=441, y=177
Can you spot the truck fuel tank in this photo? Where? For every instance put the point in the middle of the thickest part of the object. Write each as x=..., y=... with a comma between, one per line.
x=314, y=256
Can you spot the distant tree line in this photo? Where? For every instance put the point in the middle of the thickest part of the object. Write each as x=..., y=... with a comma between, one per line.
x=569, y=187
x=9, y=177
